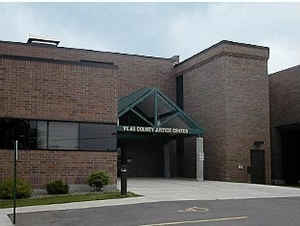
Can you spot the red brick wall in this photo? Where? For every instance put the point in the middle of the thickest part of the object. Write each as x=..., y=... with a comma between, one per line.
x=204, y=101
x=43, y=90
x=134, y=71
x=226, y=91
x=39, y=167
x=284, y=96
x=247, y=115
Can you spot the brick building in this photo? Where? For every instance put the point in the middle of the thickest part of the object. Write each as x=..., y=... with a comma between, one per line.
x=73, y=110
x=285, y=129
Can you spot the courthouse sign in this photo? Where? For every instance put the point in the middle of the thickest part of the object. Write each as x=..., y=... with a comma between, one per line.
x=141, y=129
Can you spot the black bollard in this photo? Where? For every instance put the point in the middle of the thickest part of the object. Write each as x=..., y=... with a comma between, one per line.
x=123, y=171
x=123, y=180
x=15, y=181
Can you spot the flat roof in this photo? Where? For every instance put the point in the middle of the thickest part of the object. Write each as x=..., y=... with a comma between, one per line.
x=295, y=68
x=220, y=43
x=80, y=49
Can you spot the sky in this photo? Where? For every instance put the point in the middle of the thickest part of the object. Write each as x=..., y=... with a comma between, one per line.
x=159, y=29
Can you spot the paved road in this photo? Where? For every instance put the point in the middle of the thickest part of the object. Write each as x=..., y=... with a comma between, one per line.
x=250, y=212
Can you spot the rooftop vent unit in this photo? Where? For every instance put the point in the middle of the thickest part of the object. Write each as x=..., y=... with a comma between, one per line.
x=175, y=59
x=43, y=41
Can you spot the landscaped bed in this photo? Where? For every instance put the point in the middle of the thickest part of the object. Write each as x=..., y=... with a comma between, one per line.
x=58, y=192
x=58, y=199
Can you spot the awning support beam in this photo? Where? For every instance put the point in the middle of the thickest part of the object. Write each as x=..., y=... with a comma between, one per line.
x=155, y=109
x=142, y=117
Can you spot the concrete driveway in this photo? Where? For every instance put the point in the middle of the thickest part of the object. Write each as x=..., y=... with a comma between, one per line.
x=160, y=189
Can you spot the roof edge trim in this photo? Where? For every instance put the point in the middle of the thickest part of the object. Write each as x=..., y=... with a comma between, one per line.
x=220, y=43
x=171, y=59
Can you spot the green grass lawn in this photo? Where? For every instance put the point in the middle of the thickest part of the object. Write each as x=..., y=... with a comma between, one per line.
x=57, y=199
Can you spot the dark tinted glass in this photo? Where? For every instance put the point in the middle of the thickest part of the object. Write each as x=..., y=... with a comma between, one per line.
x=16, y=129
x=37, y=134
x=7, y=133
x=41, y=132
x=63, y=135
x=97, y=136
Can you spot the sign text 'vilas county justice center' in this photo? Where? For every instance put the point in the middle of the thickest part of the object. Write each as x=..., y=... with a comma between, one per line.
x=141, y=129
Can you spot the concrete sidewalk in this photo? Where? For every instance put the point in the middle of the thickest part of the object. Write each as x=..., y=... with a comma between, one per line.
x=4, y=220
x=155, y=190
x=183, y=189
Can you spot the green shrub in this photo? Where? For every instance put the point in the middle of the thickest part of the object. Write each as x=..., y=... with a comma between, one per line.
x=57, y=187
x=98, y=179
x=24, y=189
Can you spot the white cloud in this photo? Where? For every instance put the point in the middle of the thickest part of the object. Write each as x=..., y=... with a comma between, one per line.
x=272, y=25
x=162, y=30
x=20, y=21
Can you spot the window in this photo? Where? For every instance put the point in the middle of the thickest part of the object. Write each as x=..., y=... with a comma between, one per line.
x=97, y=136
x=42, y=134
x=63, y=135
x=56, y=135
x=179, y=91
x=36, y=134
x=14, y=129
x=7, y=133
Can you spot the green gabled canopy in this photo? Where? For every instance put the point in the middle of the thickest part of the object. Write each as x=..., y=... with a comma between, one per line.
x=155, y=109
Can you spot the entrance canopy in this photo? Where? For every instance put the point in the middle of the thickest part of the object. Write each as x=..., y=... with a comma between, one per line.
x=149, y=111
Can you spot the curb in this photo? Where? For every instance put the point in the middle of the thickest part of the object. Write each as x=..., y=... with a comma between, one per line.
x=76, y=205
